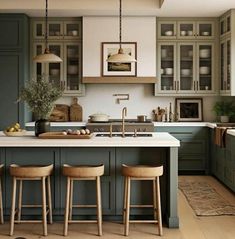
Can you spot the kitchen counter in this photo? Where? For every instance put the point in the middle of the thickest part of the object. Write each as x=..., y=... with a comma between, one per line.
x=29, y=140
x=184, y=124
x=161, y=149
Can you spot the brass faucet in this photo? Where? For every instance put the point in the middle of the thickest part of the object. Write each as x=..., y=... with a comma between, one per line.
x=124, y=113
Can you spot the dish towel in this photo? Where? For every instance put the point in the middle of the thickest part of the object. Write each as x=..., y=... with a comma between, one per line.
x=220, y=136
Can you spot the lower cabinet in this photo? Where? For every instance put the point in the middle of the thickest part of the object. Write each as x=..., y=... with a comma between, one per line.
x=222, y=160
x=193, y=151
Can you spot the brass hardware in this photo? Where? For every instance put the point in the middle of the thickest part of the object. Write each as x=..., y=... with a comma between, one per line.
x=111, y=130
x=127, y=97
x=135, y=132
x=194, y=85
x=124, y=113
x=178, y=86
x=197, y=86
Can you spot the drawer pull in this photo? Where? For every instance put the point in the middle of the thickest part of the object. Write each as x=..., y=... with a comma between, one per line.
x=180, y=133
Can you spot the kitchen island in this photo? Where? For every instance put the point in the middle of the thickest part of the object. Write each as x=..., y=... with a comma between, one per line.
x=160, y=149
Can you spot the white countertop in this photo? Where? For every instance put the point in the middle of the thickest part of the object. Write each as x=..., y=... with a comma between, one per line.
x=61, y=124
x=29, y=140
x=183, y=124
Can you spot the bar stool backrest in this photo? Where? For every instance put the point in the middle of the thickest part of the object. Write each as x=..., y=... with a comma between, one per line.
x=30, y=171
x=83, y=171
x=142, y=171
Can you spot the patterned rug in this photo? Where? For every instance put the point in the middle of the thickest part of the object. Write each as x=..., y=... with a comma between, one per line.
x=204, y=200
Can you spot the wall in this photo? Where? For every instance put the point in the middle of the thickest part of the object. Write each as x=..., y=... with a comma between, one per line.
x=99, y=97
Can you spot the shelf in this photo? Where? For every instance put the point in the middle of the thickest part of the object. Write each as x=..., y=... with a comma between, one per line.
x=119, y=79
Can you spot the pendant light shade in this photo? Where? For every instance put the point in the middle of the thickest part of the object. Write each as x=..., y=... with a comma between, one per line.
x=47, y=56
x=121, y=57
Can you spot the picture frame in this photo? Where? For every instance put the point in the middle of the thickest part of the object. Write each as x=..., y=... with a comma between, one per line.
x=189, y=109
x=118, y=69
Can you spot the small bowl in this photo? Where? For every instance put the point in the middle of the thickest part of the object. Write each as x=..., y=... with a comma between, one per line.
x=168, y=33
x=72, y=69
x=185, y=72
x=204, y=53
x=168, y=71
x=189, y=33
x=205, y=33
x=204, y=70
x=74, y=33
x=182, y=33
x=54, y=72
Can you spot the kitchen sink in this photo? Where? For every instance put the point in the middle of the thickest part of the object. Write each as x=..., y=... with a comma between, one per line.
x=126, y=135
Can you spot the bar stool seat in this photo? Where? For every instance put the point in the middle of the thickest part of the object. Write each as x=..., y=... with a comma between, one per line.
x=142, y=172
x=1, y=206
x=31, y=173
x=82, y=172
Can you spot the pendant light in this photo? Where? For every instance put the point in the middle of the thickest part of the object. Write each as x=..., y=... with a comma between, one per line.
x=47, y=56
x=121, y=57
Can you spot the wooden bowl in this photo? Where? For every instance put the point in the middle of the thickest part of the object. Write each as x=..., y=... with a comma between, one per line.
x=15, y=134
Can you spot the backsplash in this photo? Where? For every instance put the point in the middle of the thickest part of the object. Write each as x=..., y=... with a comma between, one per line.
x=99, y=98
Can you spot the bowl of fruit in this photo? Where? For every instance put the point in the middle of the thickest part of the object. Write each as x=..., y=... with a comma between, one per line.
x=14, y=130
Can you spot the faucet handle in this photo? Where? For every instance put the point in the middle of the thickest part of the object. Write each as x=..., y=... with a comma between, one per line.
x=135, y=132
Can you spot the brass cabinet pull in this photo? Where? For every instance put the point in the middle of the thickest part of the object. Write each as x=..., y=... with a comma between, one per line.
x=194, y=85
x=197, y=86
x=178, y=86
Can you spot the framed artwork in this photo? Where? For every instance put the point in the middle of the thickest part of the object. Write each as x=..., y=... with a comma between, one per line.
x=190, y=109
x=118, y=69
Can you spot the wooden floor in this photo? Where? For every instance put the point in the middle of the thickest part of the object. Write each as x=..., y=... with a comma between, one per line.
x=191, y=226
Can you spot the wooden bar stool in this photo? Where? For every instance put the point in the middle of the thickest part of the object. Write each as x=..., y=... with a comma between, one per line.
x=31, y=173
x=142, y=172
x=74, y=173
x=1, y=206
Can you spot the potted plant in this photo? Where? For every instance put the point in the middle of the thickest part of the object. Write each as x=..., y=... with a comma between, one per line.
x=224, y=109
x=40, y=95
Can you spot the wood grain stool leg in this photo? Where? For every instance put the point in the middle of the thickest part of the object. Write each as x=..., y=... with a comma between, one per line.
x=71, y=200
x=126, y=232
x=66, y=215
x=159, y=213
x=49, y=198
x=44, y=207
x=20, y=200
x=124, y=200
x=99, y=207
x=1, y=204
x=154, y=200
x=13, y=202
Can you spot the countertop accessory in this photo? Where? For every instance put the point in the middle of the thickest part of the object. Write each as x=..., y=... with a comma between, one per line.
x=224, y=109
x=189, y=109
x=75, y=110
x=15, y=134
x=99, y=117
x=61, y=135
x=141, y=118
x=60, y=113
x=47, y=56
x=158, y=114
x=121, y=56
x=126, y=97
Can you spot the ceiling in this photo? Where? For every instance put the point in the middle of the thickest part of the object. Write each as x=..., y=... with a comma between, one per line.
x=170, y=8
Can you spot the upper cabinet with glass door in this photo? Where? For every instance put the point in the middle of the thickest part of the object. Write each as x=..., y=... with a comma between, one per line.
x=186, y=29
x=225, y=25
x=57, y=29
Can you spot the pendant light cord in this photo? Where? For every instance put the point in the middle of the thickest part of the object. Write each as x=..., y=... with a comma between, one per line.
x=120, y=24
x=46, y=33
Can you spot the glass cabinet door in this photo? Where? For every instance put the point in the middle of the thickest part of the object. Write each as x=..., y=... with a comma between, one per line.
x=205, y=29
x=222, y=67
x=72, y=30
x=72, y=68
x=228, y=65
x=186, y=67
x=167, y=67
x=167, y=30
x=38, y=68
x=225, y=25
x=205, y=67
x=186, y=30
x=55, y=30
x=55, y=69
x=39, y=30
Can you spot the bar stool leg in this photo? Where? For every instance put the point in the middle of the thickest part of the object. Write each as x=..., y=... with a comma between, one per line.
x=159, y=213
x=154, y=200
x=13, y=207
x=20, y=200
x=66, y=215
x=127, y=207
x=71, y=200
x=124, y=200
x=44, y=213
x=1, y=206
x=99, y=209
x=49, y=199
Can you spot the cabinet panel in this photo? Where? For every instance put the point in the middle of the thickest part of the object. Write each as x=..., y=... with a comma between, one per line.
x=83, y=189
x=32, y=189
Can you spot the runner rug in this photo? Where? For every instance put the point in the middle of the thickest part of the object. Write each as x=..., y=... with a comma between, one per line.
x=204, y=199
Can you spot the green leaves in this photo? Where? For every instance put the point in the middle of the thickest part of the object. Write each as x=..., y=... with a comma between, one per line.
x=223, y=108
x=40, y=95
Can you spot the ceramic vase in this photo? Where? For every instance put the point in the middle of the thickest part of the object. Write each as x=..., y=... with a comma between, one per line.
x=42, y=126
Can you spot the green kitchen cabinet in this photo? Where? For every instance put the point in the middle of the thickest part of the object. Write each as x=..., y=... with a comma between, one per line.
x=141, y=191
x=32, y=189
x=82, y=189
x=194, y=147
x=14, y=61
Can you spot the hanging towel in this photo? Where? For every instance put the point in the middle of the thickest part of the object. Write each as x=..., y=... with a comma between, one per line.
x=220, y=136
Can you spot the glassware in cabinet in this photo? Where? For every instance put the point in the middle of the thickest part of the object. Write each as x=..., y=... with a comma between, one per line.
x=205, y=29
x=167, y=67
x=167, y=29
x=186, y=30
x=72, y=29
x=55, y=30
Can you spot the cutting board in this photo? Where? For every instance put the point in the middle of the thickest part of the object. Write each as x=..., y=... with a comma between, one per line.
x=60, y=135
